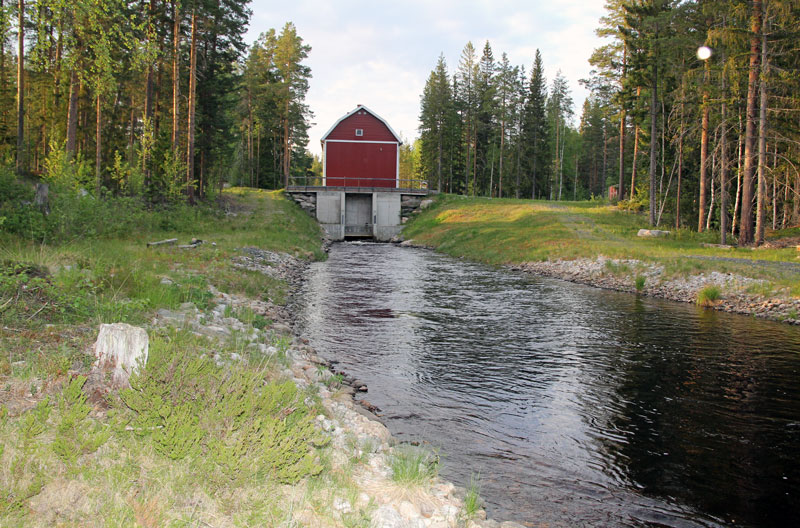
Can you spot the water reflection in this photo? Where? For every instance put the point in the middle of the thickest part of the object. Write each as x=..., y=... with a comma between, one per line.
x=575, y=405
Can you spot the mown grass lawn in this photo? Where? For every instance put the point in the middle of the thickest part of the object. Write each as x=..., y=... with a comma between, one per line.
x=507, y=231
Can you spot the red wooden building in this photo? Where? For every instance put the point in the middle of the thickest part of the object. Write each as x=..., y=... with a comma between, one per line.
x=361, y=150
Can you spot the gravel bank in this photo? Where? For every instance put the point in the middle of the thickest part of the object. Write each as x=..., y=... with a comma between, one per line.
x=621, y=275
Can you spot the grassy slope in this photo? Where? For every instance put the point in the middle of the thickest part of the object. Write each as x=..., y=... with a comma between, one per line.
x=515, y=231
x=59, y=464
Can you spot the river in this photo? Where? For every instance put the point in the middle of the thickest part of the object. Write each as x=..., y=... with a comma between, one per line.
x=571, y=405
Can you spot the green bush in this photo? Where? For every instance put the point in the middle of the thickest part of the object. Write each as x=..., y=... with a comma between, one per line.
x=232, y=422
x=709, y=296
x=639, y=282
x=18, y=214
x=75, y=433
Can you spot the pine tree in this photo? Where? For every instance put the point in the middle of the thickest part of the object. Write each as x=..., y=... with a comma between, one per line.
x=435, y=109
x=535, y=126
x=467, y=105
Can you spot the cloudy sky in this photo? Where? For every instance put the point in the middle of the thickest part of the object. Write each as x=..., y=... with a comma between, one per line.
x=380, y=54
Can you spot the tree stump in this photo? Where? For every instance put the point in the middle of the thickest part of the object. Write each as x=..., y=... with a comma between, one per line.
x=122, y=348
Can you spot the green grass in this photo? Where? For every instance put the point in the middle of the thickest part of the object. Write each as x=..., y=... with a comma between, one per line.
x=709, y=296
x=472, y=499
x=120, y=279
x=508, y=231
x=639, y=282
x=413, y=466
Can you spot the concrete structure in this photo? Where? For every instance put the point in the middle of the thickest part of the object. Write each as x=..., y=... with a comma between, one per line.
x=362, y=195
x=359, y=212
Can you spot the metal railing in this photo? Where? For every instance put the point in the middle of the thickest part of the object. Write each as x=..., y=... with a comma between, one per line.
x=381, y=184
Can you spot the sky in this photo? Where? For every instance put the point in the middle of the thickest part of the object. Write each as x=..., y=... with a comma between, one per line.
x=380, y=54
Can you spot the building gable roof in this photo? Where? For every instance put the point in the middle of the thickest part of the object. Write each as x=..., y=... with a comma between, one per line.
x=373, y=114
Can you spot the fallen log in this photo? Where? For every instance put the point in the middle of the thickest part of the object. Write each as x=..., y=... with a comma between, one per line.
x=161, y=242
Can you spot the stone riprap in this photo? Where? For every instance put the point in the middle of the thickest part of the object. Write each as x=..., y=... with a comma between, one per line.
x=735, y=290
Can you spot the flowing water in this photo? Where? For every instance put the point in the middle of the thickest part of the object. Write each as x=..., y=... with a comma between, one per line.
x=575, y=406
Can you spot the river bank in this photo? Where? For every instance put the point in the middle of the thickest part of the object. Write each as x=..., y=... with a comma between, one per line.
x=176, y=447
x=597, y=245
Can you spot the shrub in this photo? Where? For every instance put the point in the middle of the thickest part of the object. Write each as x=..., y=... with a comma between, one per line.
x=709, y=296
x=18, y=214
x=75, y=433
x=235, y=425
x=639, y=282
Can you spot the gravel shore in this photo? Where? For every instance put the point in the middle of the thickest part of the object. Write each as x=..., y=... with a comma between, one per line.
x=620, y=275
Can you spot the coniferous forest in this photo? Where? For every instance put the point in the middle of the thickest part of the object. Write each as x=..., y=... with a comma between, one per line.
x=157, y=98
x=163, y=99
x=700, y=143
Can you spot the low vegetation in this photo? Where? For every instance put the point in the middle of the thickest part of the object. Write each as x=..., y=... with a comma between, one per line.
x=198, y=436
x=472, y=498
x=511, y=231
x=709, y=296
x=413, y=465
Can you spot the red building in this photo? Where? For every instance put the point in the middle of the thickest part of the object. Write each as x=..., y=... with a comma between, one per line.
x=361, y=150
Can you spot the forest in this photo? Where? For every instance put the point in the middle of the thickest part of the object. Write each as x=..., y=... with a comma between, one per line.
x=160, y=99
x=693, y=116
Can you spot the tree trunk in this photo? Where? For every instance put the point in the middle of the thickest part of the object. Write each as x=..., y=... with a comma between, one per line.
x=796, y=201
x=703, y=153
x=3, y=85
x=635, y=151
x=711, y=183
x=148, y=101
x=621, y=193
x=191, y=125
x=737, y=199
x=552, y=183
x=680, y=167
x=761, y=197
x=176, y=73
x=439, y=162
x=746, y=237
x=500, y=163
x=468, y=166
x=286, y=150
x=21, y=90
x=653, y=143
x=72, y=113
x=98, y=157
x=723, y=169
x=785, y=201
x=605, y=161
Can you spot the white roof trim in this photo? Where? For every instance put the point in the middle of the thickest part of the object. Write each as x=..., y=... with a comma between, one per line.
x=362, y=107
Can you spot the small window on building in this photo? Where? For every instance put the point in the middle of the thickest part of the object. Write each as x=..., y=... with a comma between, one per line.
x=359, y=132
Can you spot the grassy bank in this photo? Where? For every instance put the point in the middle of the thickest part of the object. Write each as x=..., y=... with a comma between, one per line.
x=517, y=231
x=191, y=442
x=231, y=422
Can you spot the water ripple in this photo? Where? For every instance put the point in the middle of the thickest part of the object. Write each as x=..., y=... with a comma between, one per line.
x=577, y=406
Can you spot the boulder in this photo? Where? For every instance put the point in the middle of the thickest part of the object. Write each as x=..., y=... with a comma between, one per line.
x=424, y=204
x=652, y=233
x=122, y=348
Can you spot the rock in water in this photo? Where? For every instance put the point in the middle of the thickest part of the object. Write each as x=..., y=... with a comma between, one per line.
x=123, y=348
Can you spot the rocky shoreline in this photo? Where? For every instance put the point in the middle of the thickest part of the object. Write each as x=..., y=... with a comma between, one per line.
x=611, y=274
x=622, y=274
x=353, y=430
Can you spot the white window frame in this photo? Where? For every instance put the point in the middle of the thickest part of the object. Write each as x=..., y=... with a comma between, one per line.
x=359, y=132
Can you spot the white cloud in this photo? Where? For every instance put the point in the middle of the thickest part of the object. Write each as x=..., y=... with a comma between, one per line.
x=380, y=54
